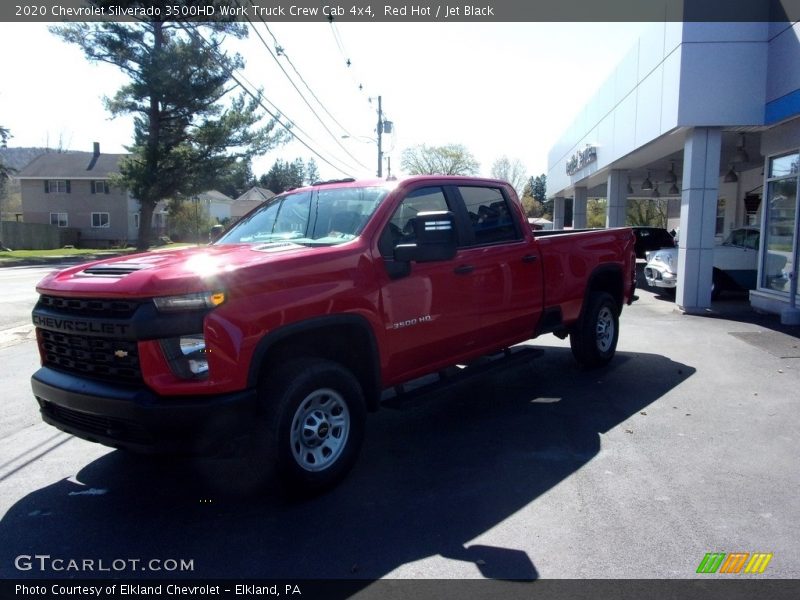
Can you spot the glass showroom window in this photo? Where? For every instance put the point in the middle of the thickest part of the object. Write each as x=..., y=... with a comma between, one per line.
x=780, y=222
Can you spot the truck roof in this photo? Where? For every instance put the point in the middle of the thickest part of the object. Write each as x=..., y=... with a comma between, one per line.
x=376, y=182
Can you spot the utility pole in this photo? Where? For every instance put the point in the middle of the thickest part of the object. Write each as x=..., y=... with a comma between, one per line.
x=380, y=132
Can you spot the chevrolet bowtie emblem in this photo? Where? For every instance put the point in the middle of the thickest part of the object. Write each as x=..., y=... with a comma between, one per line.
x=120, y=354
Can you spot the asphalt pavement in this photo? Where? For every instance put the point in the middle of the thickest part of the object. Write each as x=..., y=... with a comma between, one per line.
x=685, y=445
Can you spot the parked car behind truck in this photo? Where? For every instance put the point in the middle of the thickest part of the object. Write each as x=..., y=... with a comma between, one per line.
x=735, y=264
x=289, y=327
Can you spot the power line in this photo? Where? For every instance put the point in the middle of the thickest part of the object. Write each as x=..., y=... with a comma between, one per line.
x=258, y=98
x=305, y=100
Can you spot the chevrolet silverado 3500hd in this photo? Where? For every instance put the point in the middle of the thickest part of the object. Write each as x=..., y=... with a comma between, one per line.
x=291, y=325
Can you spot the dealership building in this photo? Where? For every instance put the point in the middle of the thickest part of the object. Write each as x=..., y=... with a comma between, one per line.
x=707, y=117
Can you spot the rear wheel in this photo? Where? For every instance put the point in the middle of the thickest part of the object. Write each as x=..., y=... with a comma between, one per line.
x=594, y=338
x=313, y=419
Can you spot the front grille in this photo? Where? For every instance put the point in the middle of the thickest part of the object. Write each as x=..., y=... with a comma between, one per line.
x=98, y=358
x=118, y=429
x=114, y=309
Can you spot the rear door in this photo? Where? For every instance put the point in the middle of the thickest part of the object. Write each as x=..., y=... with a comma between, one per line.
x=500, y=264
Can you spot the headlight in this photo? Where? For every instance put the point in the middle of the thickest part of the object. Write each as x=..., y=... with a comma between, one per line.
x=187, y=356
x=199, y=301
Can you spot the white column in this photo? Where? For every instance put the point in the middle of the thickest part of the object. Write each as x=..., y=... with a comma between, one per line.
x=701, y=152
x=579, y=208
x=617, y=208
x=558, y=212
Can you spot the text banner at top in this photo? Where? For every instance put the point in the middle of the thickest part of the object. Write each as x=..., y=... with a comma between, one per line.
x=402, y=11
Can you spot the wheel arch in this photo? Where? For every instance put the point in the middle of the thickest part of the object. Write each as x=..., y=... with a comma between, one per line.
x=609, y=279
x=345, y=339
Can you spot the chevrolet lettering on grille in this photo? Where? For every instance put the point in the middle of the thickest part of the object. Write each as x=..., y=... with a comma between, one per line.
x=73, y=325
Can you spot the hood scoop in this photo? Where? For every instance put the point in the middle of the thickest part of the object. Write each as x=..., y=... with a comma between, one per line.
x=114, y=270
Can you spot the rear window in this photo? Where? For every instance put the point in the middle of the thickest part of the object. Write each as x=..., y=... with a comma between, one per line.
x=489, y=214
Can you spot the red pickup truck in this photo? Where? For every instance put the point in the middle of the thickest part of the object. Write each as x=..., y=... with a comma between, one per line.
x=290, y=327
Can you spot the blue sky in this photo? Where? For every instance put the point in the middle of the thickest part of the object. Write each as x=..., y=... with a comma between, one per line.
x=497, y=88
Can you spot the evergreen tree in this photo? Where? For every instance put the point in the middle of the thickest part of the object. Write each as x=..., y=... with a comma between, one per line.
x=538, y=186
x=188, y=132
x=312, y=172
x=284, y=176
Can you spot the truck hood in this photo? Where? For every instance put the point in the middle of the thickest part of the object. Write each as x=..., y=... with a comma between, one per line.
x=169, y=272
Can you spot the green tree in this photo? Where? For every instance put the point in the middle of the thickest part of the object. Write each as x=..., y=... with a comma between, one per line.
x=188, y=131
x=5, y=170
x=532, y=207
x=596, y=209
x=538, y=187
x=284, y=176
x=452, y=159
x=512, y=171
x=238, y=180
x=648, y=212
x=312, y=172
x=188, y=221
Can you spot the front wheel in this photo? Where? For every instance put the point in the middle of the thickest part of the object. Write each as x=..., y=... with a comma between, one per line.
x=594, y=337
x=314, y=420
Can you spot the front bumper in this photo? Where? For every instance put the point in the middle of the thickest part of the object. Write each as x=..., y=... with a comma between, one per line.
x=660, y=278
x=137, y=419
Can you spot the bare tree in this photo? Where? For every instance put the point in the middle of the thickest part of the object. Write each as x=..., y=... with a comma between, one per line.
x=512, y=171
x=453, y=159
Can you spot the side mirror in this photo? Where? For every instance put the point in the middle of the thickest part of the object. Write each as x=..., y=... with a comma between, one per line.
x=435, y=233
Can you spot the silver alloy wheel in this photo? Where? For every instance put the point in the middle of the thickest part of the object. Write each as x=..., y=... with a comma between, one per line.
x=605, y=329
x=320, y=427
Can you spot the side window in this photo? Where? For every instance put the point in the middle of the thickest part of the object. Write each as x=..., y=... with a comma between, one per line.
x=752, y=240
x=738, y=237
x=400, y=229
x=489, y=214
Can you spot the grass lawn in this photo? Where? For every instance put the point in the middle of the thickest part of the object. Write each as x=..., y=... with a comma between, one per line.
x=60, y=252
x=28, y=256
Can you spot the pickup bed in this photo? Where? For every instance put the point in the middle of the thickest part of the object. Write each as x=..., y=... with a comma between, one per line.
x=288, y=329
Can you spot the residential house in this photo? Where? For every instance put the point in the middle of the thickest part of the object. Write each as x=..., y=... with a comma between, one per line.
x=217, y=205
x=73, y=190
x=252, y=198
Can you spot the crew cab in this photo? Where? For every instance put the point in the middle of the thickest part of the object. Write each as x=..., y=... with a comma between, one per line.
x=289, y=328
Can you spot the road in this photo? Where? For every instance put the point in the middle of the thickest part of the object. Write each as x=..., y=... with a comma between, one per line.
x=18, y=285
x=685, y=445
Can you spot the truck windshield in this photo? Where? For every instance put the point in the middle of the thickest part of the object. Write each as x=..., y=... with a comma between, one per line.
x=318, y=217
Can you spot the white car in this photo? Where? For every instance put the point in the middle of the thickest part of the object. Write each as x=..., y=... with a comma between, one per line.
x=735, y=264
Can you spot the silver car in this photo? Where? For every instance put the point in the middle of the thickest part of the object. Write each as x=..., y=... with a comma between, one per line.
x=735, y=264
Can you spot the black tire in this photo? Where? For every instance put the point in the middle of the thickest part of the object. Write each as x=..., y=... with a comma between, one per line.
x=313, y=423
x=594, y=337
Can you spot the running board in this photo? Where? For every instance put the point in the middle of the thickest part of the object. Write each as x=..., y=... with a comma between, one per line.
x=454, y=376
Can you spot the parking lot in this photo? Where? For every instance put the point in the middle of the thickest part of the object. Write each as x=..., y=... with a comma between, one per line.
x=685, y=445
